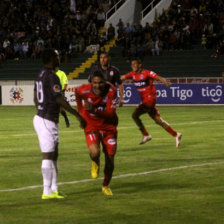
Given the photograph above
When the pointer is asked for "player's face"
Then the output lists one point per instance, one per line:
(104, 60)
(136, 67)
(98, 84)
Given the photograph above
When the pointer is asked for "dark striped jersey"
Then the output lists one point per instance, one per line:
(48, 88)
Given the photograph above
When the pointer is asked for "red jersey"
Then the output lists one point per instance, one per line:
(104, 116)
(143, 81)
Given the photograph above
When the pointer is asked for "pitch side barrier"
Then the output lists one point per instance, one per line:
(180, 94)
(176, 94)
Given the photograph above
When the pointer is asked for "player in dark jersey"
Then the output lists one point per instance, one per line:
(48, 99)
(111, 74)
(97, 104)
(143, 81)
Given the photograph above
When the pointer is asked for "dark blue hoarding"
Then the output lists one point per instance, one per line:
(180, 94)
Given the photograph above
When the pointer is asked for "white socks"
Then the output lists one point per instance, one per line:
(54, 186)
(47, 172)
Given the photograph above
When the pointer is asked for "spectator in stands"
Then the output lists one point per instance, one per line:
(110, 32)
(157, 46)
(100, 17)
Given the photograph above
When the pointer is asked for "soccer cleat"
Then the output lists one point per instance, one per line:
(59, 195)
(94, 170)
(178, 139)
(145, 139)
(51, 196)
(107, 191)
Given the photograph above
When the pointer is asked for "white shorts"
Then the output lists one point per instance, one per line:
(47, 132)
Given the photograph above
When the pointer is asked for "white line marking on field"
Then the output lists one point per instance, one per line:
(119, 128)
(119, 176)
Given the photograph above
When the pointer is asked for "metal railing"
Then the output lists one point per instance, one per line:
(111, 11)
(149, 7)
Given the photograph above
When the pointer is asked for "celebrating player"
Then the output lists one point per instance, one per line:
(111, 74)
(143, 80)
(97, 104)
(48, 99)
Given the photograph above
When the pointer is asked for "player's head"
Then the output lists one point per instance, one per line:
(104, 58)
(136, 64)
(51, 57)
(98, 82)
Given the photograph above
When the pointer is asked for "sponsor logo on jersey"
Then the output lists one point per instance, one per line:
(16, 95)
(56, 88)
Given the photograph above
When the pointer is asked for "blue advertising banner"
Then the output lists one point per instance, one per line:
(180, 94)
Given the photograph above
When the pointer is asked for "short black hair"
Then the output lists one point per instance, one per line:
(98, 74)
(48, 54)
(137, 59)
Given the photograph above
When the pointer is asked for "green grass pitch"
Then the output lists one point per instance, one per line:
(153, 183)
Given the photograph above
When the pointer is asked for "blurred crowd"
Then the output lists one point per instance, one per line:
(29, 26)
(185, 24)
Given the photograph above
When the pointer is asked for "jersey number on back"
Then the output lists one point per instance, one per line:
(40, 93)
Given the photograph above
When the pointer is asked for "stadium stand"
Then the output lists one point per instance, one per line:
(186, 36)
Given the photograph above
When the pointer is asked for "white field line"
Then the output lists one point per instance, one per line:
(119, 128)
(119, 176)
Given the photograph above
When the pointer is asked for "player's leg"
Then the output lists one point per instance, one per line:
(47, 132)
(93, 142)
(158, 120)
(47, 173)
(54, 185)
(141, 109)
(108, 172)
(109, 142)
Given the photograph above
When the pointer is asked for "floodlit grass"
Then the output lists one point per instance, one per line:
(153, 183)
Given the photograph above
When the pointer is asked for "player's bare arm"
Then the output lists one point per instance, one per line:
(62, 102)
(161, 79)
(121, 92)
(35, 98)
(122, 77)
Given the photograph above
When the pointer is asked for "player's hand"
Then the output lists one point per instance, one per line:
(168, 84)
(120, 102)
(89, 107)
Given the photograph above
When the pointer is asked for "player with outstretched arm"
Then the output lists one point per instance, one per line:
(143, 81)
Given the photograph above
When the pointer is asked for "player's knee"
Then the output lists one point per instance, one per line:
(94, 155)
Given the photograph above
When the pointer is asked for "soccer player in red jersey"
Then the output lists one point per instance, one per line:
(96, 102)
(143, 81)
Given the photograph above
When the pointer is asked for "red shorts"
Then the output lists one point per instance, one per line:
(107, 138)
(149, 108)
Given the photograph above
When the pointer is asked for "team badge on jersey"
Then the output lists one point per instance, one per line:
(111, 73)
(56, 88)
(141, 76)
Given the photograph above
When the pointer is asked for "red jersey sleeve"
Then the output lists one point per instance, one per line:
(110, 106)
(128, 75)
(151, 74)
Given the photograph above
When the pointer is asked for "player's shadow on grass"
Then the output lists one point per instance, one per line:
(147, 186)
